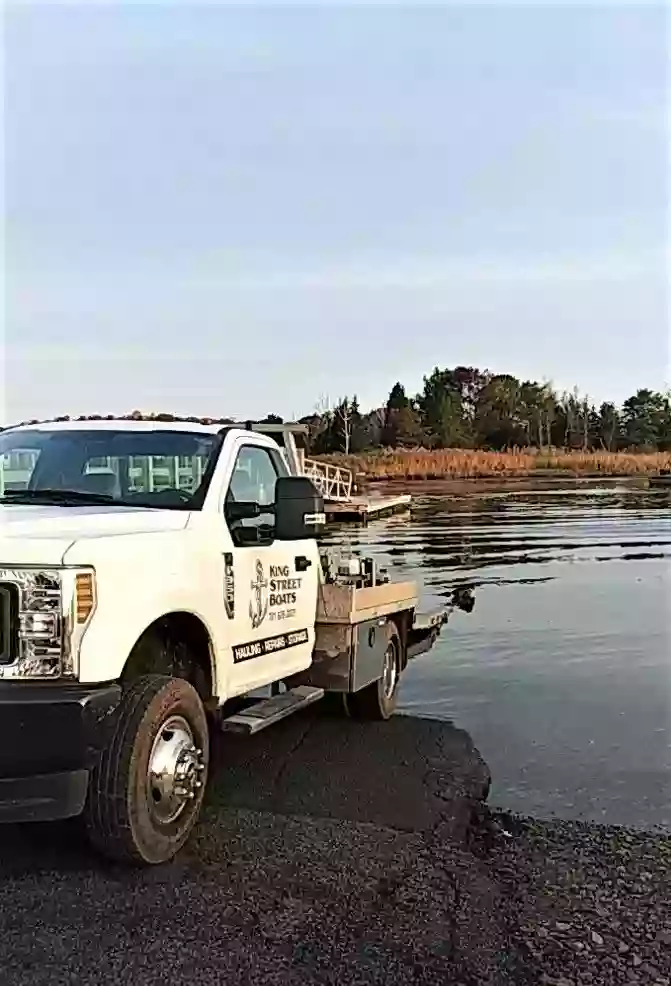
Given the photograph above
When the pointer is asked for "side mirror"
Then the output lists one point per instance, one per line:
(242, 511)
(299, 509)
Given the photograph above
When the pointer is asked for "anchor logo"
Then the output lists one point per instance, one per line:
(258, 605)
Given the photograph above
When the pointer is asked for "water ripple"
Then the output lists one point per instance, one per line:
(562, 673)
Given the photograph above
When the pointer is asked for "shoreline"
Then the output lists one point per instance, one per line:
(330, 853)
(549, 475)
(540, 481)
(531, 480)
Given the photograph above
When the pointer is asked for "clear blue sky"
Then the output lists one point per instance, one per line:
(235, 210)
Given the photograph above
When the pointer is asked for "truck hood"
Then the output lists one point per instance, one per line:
(42, 534)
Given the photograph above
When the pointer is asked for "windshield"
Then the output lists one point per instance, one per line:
(165, 469)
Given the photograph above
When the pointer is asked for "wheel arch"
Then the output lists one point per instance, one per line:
(186, 650)
(402, 622)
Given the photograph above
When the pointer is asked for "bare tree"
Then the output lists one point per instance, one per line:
(549, 405)
(585, 408)
(343, 415)
(323, 405)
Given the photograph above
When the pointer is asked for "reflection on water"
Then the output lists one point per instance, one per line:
(562, 674)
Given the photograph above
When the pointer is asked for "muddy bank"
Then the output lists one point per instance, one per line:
(336, 853)
(540, 480)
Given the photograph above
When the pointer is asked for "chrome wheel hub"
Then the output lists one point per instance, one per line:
(389, 672)
(174, 771)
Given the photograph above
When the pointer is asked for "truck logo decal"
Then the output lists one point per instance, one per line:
(270, 645)
(229, 585)
(258, 604)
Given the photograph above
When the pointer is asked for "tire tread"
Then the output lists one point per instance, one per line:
(107, 810)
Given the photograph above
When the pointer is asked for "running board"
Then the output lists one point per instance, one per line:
(270, 710)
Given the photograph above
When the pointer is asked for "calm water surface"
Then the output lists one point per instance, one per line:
(562, 673)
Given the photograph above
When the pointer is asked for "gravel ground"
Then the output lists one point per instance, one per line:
(332, 853)
(589, 904)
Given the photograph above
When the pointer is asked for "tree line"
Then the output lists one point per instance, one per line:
(469, 408)
(465, 407)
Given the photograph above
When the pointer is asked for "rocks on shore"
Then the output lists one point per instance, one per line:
(592, 904)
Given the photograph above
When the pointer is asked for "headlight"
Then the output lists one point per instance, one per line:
(44, 614)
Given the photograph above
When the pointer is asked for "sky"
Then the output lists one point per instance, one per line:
(237, 210)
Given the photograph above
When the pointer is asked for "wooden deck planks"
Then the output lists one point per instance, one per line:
(365, 508)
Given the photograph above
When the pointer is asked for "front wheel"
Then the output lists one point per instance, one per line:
(146, 793)
(378, 700)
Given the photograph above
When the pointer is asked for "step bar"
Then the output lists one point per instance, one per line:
(267, 712)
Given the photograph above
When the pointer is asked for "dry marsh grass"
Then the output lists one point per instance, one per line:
(422, 464)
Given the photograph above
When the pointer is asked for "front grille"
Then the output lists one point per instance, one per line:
(9, 611)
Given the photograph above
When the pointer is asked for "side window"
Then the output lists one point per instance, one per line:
(253, 482)
(16, 468)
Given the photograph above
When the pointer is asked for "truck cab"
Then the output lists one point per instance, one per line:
(151, 574)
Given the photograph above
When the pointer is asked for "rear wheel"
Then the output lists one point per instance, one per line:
(378, 700)
(147, 791)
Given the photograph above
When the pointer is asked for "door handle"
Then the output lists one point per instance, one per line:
(302, 563)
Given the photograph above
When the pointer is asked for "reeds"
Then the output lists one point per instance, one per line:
(409, 464)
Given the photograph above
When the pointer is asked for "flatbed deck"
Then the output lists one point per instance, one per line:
(345, 604)
(361, 509)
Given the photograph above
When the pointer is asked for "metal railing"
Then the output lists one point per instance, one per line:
(333, 482)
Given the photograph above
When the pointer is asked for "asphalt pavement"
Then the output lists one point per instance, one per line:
(329, 852)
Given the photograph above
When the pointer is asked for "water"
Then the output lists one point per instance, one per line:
(562, 673)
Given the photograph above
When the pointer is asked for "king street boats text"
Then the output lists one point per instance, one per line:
(283, 592)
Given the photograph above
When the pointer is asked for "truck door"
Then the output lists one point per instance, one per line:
(271, 585)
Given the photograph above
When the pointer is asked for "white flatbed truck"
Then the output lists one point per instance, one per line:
(153, 576)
